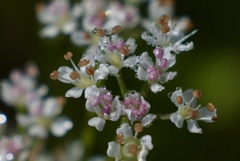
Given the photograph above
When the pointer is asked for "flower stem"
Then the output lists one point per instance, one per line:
(163, 116)
(121, 83)
(145, 89)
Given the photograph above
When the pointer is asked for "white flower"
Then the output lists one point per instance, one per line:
(101, 101)
(58, 16)
(129, 147)
(187, 110)
(84, 75)
(155, 73)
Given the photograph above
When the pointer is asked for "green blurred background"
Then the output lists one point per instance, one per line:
(212, 67)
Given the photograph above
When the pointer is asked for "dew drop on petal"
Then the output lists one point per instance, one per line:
(169, 94)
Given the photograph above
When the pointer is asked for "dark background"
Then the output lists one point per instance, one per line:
(212, 67)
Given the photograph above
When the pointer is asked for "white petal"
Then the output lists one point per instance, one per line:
(126, 130)
(91, 91)
(79, 38)
(115, 115)
(207, 115)
(141, 74)
(97, 122)
(69, 27)
(193, 126)
(146, 142)
(74, 92)
(101, 73)
(131, 45)
(113, 149)
(187, 96)
(49, 31)
(24, 120)
(142, 155)
(148, 119)
(130, 62)
(60, 126)
(64, 74)
(180, 48)
(113, 70)
(89, 107)
(145, 60)
(174, 96)
(177, 119)
(155, 87)
(131, 117)
(167, 76)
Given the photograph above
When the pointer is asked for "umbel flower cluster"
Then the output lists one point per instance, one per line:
(98, 25)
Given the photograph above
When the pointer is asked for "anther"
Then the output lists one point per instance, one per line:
(124, 50)
(68, 55)
(193, 114)
(214, 118)
(197, 94)
(116, 29)
(138, 127)
(61, 100)
(120, 138)
(90, 70)
(100, 32)
(211, 107)
(179, 100)
(83, 62)
(133, 149)
(165, 28)
(74, 75)
(163, 20)
(54, 75)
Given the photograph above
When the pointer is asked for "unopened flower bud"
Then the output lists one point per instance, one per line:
(54, 75)
(68, 55)
(197, 94)
(179, 100)
(124, 50)
(120, 138)
(193, 114)
(116, 29)
(138, 127)
(211, 107)
(74, 75)
(90, 70)
(83, 62)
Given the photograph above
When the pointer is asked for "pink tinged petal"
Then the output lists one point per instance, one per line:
(69, 27)
(163, 63)
(155, 87)
(49, 31)
(110, 46)
(60, 126)
(145, 61)
(130, 62)
(101, 73)
(97, 122)
(148, 119)
(177, 119)
(91, 91)
(142, 155)
(141, 74)
(167, 76)
(113, 149)
(74, 92)
(193, 126)
(146, 142)
(158, 52)
(64, 74)
(126, 130)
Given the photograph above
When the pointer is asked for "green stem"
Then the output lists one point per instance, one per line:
(121, 83)
(145, 89)
(163, 116)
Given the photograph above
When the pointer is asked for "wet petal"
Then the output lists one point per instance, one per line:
(64, 74)
(155, 87)
(126, 130)
(146, 142)
(97, 122)
(177, 119)
(148, 119)
(74, 92)
(167, 76)
(131, 61)
(101, 73)
(193, 126)
(145, 61)
(141, 74)
(113, 149)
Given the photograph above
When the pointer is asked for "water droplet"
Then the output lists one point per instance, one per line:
(179, 88)
(169, 94)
